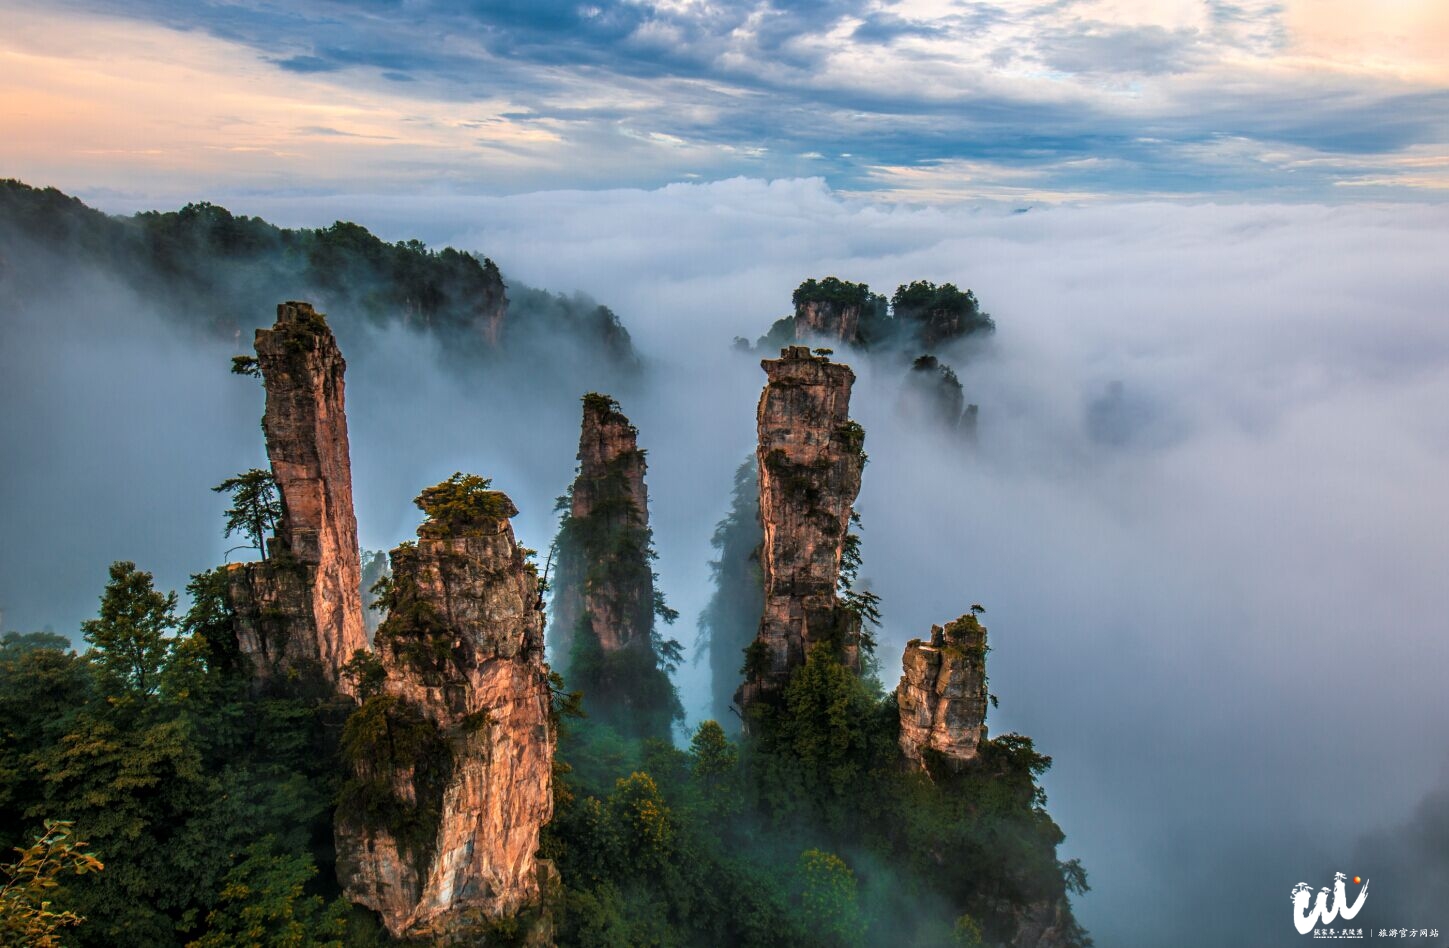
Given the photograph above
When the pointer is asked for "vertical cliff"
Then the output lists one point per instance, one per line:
(303, 607)
(829, 309)
(827, 319)
(810, 457)
(942, 694)
(451, 751)
(605, 603)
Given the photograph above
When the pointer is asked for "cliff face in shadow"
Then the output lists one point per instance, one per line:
(731, 618)
(605, 602)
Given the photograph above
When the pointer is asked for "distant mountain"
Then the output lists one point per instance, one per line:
(224, 273)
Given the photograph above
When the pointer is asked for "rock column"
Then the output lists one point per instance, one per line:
(304, 605)
(810, 459)
(942, 695)
(447, 833)
(607, 583)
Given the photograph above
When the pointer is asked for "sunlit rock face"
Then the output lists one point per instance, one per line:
(447, 835)
(810, 460)
(303, 607)
(614, 591)
(942, 693)
(827, 319)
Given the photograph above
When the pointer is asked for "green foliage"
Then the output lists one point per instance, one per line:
(965, 933)
(28, 913)
(217, 272)
(831, 290)
(937, 314)
(384, 737)
(413, 630)
(600, 404)
(255, 506)
(605, 555)
(263, 903)
(463, 505)
(246, 365)
(366, 673)
(828, 898)
(131, 639)
(167, 789)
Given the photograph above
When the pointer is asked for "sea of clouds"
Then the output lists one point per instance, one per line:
(1206, 511)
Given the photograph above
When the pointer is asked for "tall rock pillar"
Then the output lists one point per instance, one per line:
(810, 459)
(451, 752)
(609, 589)
(605, 603)
(304, 605)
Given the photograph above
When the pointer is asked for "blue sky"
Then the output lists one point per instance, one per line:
(925, 100)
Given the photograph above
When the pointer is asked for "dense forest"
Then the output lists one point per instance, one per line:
(212, 271)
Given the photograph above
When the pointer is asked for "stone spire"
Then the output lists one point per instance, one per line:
(610, 588)
(304, 605)
(452, 750)
(605, 604)
(942, 695)
(810, 460)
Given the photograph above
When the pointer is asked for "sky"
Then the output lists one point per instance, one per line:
(922, 100)
(1206, 512)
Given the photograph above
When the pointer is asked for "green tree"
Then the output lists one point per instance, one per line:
(462, 505)
(132, 638)
(28, 913)
(715, 768)
(828, 898)
(142, 796)
(255, 507)
(264, 904)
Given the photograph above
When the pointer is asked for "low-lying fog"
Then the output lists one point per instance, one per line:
(1206, 513)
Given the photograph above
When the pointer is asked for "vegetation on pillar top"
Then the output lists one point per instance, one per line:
(923, 294)
(602, 404)
(831, 290)
(464, 505)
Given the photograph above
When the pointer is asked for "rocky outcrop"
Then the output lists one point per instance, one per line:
(271, 605)
(605, 604)
(942, 695)
(827, 319)
(451, 751)
(810, 458)
(303, 606)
